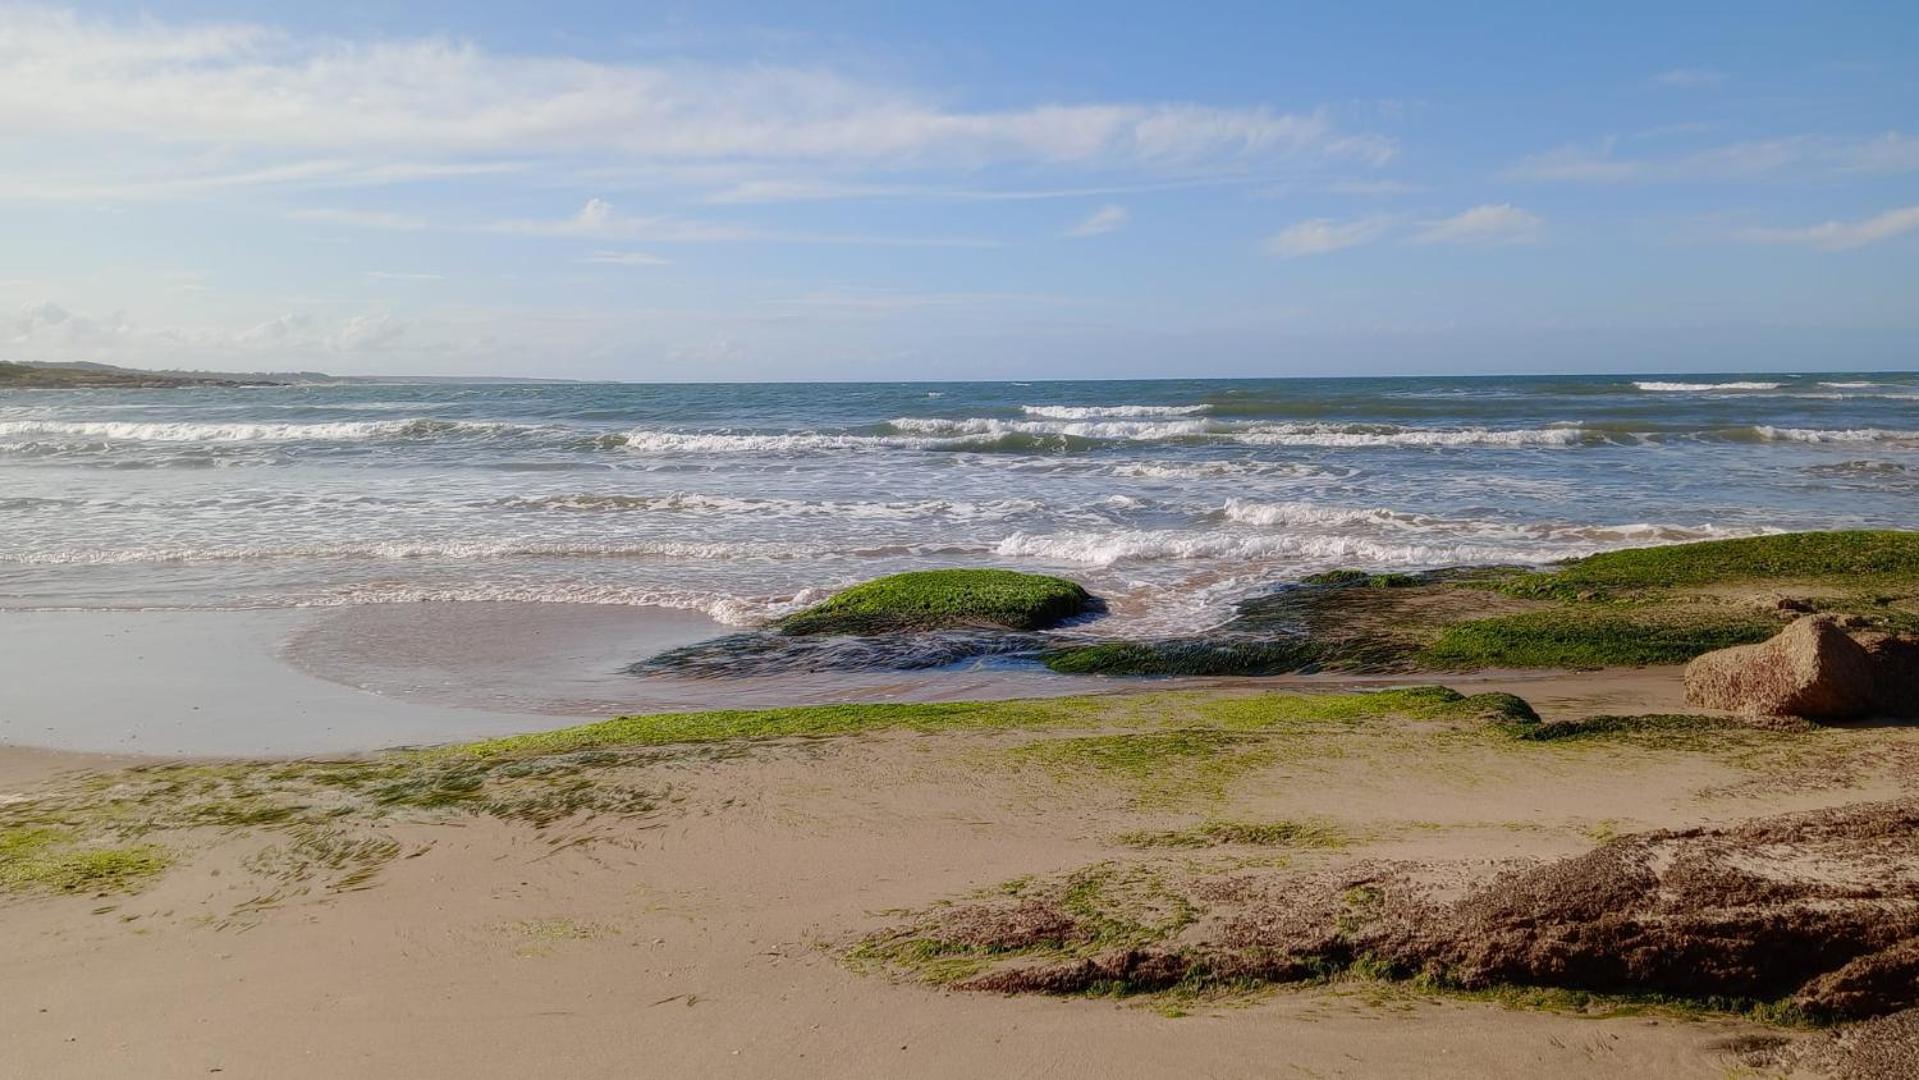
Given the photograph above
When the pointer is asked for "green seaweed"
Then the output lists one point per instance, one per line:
(943, 599)
(52, 860)
(1574, 637)
(1158, 767)
(1185, 656)
(1350, 578)
(1843, 555)
(1284, 834)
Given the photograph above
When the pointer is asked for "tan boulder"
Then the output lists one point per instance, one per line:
(1812, 669)
(1895, 674)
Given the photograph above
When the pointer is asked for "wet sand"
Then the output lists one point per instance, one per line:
(348, 680)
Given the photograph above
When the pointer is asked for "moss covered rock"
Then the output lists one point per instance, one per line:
(944, 600)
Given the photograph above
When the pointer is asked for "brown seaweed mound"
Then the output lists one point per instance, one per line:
(1822, 907)
(1819, 908)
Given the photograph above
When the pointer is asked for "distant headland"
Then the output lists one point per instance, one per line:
(87, 375)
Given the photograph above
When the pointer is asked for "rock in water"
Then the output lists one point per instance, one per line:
(1812, 669)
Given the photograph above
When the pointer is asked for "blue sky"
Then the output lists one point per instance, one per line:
(878, 191)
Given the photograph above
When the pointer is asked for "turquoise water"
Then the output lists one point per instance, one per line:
(1173, 498)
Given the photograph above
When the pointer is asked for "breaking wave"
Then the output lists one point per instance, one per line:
(732, 506)
(1096, 412)
(1685, 387)
(1769, 433)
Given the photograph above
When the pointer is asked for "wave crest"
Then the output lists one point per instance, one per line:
(1689, 387)
(1098, 412)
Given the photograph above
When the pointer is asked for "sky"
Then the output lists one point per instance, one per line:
(849, 190)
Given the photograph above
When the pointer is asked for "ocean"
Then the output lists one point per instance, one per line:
(1173, 499)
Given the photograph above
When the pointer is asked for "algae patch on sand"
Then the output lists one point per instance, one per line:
(51, 860)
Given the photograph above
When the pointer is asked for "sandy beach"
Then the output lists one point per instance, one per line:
(709, 934)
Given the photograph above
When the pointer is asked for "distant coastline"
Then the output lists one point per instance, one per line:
(86, 375)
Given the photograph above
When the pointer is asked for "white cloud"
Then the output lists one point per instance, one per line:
(47, 328)
(1597, 163)
(1690, 78)
(52, 331)
(1842, 235)
(402, 275)
(1382, 188)
(453, 107)
(1501, 223)
(599, 218)
(1319, 236)
(365, 219)
(787, 190)
(1102, 221)
(625, 258)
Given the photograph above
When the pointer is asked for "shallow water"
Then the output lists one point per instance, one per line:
(1172, 498)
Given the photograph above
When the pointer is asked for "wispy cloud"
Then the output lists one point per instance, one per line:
(1322, 236)
(362, 219)
(790, 190)
(625, 258)
(1689, 78)
(1842, 235)
(1599, 163)
(600, 219)
(403, 109)
(1102, 221)
(880, 301)
(1486, 225)
(1382, 188)
(1501, 223)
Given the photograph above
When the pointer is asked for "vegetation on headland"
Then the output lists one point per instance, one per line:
(942, 600)
(85, 375)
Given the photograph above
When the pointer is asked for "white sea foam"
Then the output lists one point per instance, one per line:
(417, 549)
(740, 506)
(1248, 512)
(697, 442)
(1145, 545)
(1210, 470)
(1686, 387)
(1096, 412)
(725, 608)
(1822, 435)
(1369, 435)
(1851, 385)
(1083, 429)
(1455, 543)
(1298, 514)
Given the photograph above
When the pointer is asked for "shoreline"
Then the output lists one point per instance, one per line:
(246, 684)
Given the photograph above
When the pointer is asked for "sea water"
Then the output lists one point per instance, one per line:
(1172, 499)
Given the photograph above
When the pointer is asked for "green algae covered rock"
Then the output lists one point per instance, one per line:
(944, 600)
